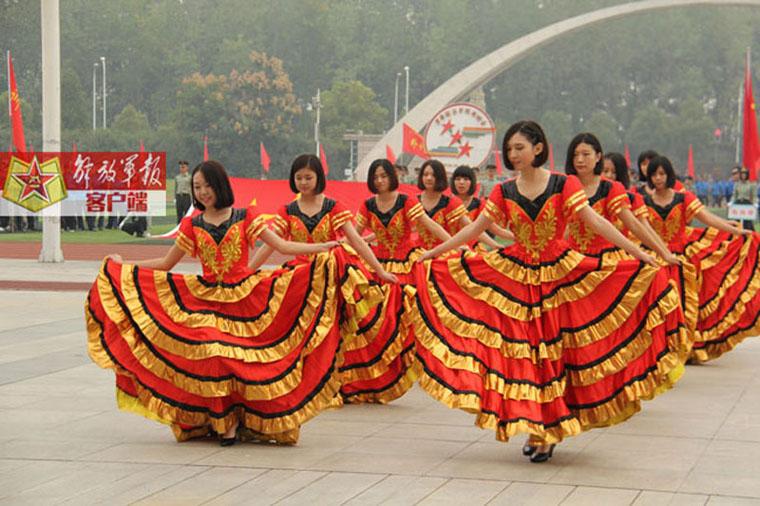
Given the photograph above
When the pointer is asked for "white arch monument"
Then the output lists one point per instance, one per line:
(491, 65)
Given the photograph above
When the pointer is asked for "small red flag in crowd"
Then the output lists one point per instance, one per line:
(414, 143)
(323, 159)
(690, 162)
(389, 154)
(205, 148)
(265, 160)
(14, 110)
(499, 162)
(750, 140)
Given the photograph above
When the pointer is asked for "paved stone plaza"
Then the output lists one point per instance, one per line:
(64, 441)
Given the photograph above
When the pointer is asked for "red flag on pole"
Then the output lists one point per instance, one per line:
(14, 109)
(74, 148)
(627, 155)
(690, 163)
(389, 154)
(414, 143)
(142, 146)
(323, 159)
(499, 162)
(750, 140)
(265, 160)
(551, 157)
(205, 148)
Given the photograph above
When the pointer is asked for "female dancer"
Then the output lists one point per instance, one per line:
(527, 337)
(230, 347)
(379, 358)
(729, 293)
(447, 211)
(463, 186)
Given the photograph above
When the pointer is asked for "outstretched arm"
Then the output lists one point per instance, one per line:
(293, 248)
(433, 227)
(355, 240)
(260, 256)
(609, 232)
(467, 234)
(711, 220)
(165, 263)
(484, 238)
(647, 236)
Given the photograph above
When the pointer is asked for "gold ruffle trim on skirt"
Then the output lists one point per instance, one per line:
(471, 404)
(198, 351)
(393, 391)
(158, 409)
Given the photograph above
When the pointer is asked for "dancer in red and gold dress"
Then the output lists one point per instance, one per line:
(530, 338)
(463, 185)
(445, 210)
(684, 274)
(230, 347)
(610, 200)
(379, 358)
(729, 291)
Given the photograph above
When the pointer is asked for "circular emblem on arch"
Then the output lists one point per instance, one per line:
(460, 134)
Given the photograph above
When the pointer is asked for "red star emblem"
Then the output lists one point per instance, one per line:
(465, 149)
(448, 127)
(34, 181)
(457, 137)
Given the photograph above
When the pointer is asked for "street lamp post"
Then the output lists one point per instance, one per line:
(103, 62)
(317, 103)
(395, 100)
(94, 96)
(406, 98)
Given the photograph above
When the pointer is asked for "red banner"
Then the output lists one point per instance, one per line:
(268, 196)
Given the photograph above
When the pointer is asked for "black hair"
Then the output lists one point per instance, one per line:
(657, 162)
(439, 171)
(490, 166)
(621, 168)
(742, 172)
(216, 177)
(308, 162)
(645, 155)
(464, 171)
(531, 131)
(584, 138)
(390, 171)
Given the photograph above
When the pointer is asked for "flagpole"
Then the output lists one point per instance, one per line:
(51, 120)
(739, 121)
(8, 65)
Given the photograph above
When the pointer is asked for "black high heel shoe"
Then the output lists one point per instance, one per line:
(227, 441)
(539, 457)
(528, 449)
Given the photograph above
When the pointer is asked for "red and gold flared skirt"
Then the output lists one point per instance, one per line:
(550, 346)
(378, 364)
(199, 356)
(729, 291)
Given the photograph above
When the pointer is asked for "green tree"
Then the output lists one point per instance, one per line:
(348, 105)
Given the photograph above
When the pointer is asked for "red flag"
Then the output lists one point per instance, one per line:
(389, 154)
(14, 110)
(414, 143)
(265, 160)
(74, 148)
(499, 162)
(627, 155)
(750, 140)
(551, 157)
(205, 148)
(323, 159)
(690, 162)
(142, 146)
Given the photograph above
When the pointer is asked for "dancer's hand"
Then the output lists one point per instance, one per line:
(328, 245)
(671, 259)
(646, 258)
(387, 277)
(115, 257)
(426, 255)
